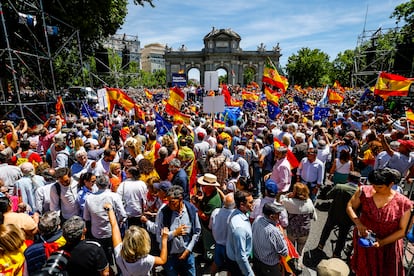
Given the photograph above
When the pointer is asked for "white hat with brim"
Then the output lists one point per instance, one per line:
(208, 179)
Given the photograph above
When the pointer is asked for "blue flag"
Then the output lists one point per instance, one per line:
(249, 105)
(157, 97)
(304, 107)
(87, 111)
(272, 109)
(365, 95)
(162, 125)
(231, 113)
(320, 113)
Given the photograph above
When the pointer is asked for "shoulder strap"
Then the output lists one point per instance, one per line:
(58, 191)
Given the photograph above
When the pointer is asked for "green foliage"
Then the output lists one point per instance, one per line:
(342, 67)
(309, 67)
(223, 79)
(249, 75)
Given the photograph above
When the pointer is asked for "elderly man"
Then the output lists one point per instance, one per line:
(87, 257)
(401, 160)
(50, 239)
(269, 243)
(96, 220)
(239, 236)
(217, 165)
(211, 200)
(311, 172)
(281, 173)
(218, 224)
(179, 177)
(181, 217)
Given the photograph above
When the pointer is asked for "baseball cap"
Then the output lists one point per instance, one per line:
(163, 185)
(234, 166)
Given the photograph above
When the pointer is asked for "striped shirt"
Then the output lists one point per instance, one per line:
(268, 242)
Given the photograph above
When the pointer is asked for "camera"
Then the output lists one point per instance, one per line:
(55, 264)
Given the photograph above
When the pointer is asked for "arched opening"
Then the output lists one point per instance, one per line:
(222, 75)
(194, 76)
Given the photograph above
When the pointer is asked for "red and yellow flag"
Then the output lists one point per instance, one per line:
(250, 96)
(219, 124)
(139, 113)
(272, 77)
(175, 101)
(392, 85)
(181, 118)
(409, 114)
(338, 86)
(271, 95)
(335, 97)
(294, 163)
(59, 105)
(148, 94)
(119, 97)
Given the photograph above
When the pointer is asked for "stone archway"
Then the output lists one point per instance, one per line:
(221, 50)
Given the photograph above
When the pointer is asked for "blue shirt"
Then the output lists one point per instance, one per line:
(239, 243)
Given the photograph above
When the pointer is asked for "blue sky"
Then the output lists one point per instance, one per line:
(329, 25)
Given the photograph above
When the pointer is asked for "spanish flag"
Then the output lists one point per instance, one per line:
(335, 97)
(148, 94)
(139, 113)
(409, 115)
(175, 101)
(235, 102)
(338, 86)
(219, 124)
(271, 95)
(392, 85)
(117, 96)
(59, 105)
(181, 118)
(272, 77)
(250, 96)
(294, 163)
(285, 82)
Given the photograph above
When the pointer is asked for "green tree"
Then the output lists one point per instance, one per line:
(249, 75)
(405, 12)
(342, 67)
(309, 67)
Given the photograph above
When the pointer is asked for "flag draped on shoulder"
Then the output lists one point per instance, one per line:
(272, 77)
(294, 163)
(118, 97)
(175, 101)
(392, 85)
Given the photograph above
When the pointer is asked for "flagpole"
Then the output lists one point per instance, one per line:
(87, 111)
(408, 127)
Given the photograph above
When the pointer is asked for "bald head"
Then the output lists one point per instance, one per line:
(229, 201)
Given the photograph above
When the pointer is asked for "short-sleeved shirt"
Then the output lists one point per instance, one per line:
(87, 258)
(141, 267)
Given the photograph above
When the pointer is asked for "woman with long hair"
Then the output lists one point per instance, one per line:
(12, 247)
(132, 253)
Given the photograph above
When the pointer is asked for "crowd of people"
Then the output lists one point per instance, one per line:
(110, 195)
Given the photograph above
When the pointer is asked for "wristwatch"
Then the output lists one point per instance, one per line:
(108, 209)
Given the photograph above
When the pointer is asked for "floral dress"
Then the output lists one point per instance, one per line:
(385, 260)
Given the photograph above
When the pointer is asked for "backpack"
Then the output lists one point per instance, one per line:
(21, 159)
(71, 158)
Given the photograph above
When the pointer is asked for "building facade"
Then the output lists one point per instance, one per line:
(152, 57)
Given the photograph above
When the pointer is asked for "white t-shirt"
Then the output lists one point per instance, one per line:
(141, 267)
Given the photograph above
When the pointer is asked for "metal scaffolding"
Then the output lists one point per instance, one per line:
(22, 63)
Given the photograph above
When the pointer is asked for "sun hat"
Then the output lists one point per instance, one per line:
(208, 179)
